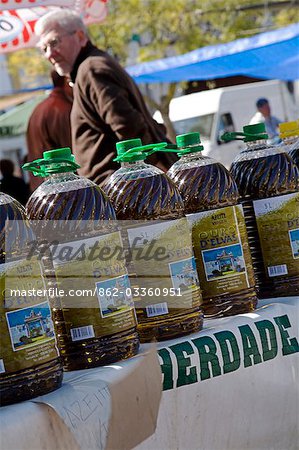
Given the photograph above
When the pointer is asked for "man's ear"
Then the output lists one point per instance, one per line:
(82, 37)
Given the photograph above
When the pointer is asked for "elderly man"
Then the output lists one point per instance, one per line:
(108, 106)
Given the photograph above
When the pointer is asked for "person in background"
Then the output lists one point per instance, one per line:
(49, 126)
(108, 106)
(12, 185)
(263, 115)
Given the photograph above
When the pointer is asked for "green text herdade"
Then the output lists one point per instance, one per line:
(206, 357)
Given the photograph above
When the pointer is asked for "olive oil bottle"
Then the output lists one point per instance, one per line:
(29, 361)
(94, 312)
(167, 293)
(219, 234)
(289, 133)
(268, 182)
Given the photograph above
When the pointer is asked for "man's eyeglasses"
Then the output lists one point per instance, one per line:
(54, 43)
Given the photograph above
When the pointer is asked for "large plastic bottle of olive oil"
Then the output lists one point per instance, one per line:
(94, 317)
(219, 234)
(167, 293)
(268, 182)
(29, 361)
(289, 133)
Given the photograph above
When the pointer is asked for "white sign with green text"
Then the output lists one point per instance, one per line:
(234, 385)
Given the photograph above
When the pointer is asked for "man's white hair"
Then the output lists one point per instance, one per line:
(63, 18)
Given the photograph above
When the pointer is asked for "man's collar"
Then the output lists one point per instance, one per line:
(84, 53)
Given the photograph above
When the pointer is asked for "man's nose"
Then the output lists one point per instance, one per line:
(50, 52)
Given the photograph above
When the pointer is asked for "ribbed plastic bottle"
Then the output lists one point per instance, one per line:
(29, 361)
(268, 182)
(167, 294)
(289, 133)
(94, 318)
(219, 234)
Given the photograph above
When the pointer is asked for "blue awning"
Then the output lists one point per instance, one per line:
(270, 55)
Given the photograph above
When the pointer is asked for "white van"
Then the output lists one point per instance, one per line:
(227, 109)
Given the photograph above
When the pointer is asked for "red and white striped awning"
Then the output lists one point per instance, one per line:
(18, 17)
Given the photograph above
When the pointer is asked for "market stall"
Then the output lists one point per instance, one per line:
(230, 386)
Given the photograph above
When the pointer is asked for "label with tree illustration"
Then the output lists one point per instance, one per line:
(278, 228)
(164, 263)
(94, 287)
(221, 250)
(26, 327)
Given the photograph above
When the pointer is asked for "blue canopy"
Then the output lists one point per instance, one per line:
(270, 55)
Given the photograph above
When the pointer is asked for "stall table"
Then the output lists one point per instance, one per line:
(232, 386)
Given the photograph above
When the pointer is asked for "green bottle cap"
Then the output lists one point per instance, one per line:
(59, 153)
(54, 161)
(256, 128)
(255, 132)
(123, 146)
(133, 150)
(183, 140)
(189, 143)
(251, 133)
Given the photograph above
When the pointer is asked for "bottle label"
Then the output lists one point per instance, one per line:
(26, 327)
(221, 251)
(162, 257)
(94, 287)
(278, 228)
